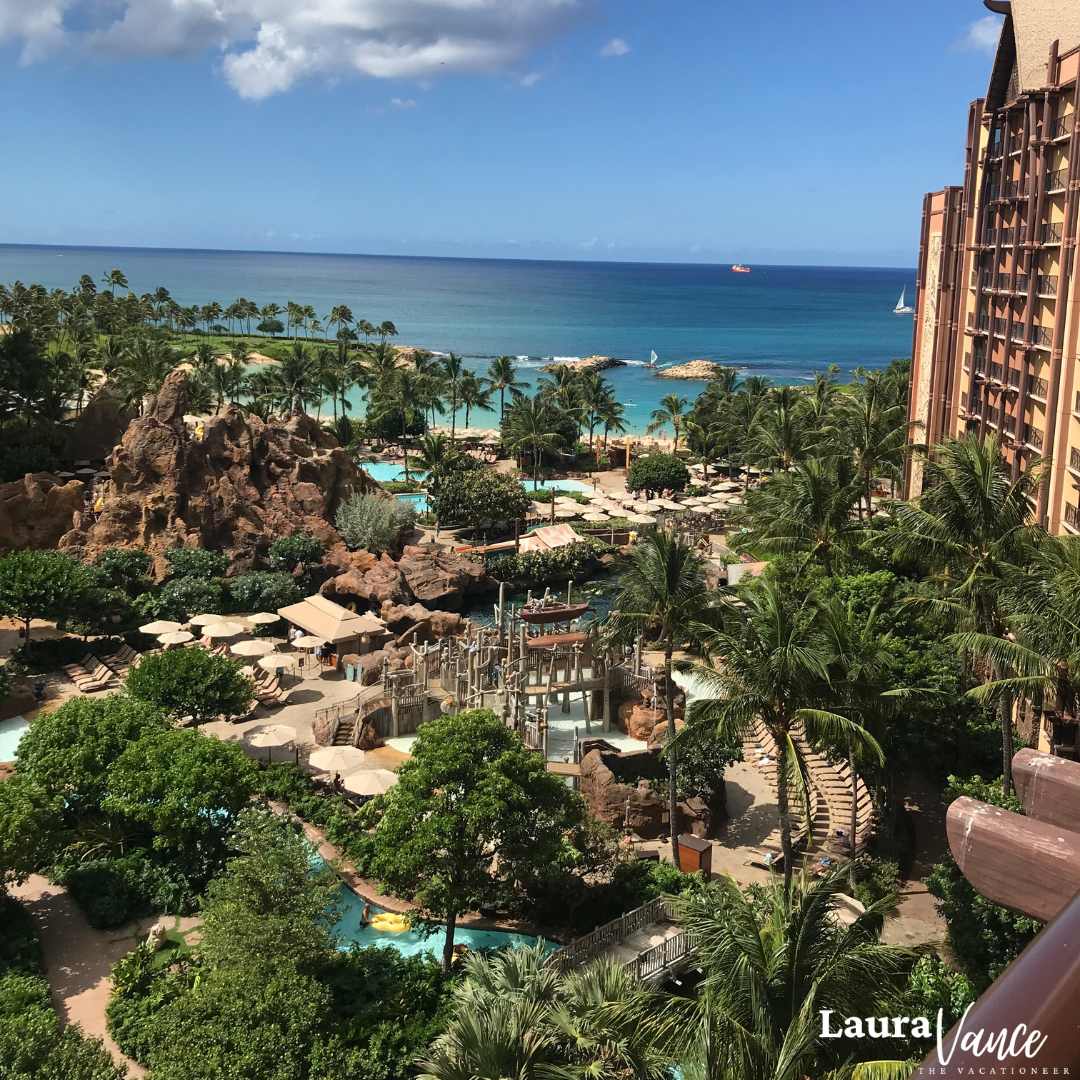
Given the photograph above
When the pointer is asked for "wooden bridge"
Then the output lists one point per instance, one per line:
(648, 941)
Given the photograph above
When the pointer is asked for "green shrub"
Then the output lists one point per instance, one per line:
(17, 461)
(570, 563)
(20, 948)
(876, 879)
(262, 591)
(191, 682)
(374, 523)
(111, 891)
(196, 563)
(479, 498)
(290, 552)
(400, 487)
(124, 564)
(657, 472)
(182, 597)
(546, 495)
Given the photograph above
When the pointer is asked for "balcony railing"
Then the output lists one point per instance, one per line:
(980, 363)
(1076, 403)
(999, 330)
(985, 279)
(963, 401)
(980, 323)
(997, 145)
(995, 372)
(1074, 458)
(1072, 515)
(1016, 142)
(1055, 181)
(1010, 425)
(1010, 189)
(1059, 128)
(991, 237)
(1022, 284)
(1041, 335)
(1032, 436)
(1046, 284)
(1037, 387)
(1017, 333)
(1014, 378)
(1050, 233)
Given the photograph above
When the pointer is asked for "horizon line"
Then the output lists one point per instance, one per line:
(440, 258)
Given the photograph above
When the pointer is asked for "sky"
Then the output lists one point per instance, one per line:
(659, 130)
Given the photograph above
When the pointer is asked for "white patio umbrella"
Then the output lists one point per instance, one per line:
(289, 662)
(309, 641)
(669, 504)
(641, 519)
(595, 517)
(336, 758)
(251, 648)
(263, 618)
(735, 500)
(369, 781)
(162, 626)
(202, 620)
(176, 637)
(656, 504)
(566, 515)
(224, 629)
(271, 735)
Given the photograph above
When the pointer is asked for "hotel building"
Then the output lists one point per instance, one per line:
(997, 320)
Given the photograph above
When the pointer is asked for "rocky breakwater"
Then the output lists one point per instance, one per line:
(436, 579)
(589, 363)
(36, 511)
(247, 483)
(696, 370)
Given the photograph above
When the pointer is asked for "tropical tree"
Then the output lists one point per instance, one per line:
(672, 411)
(473, 394)
(662, 594)
(113, 280)
(774, 671)
(973, 526)
(502, 376)
(707, 444)
(290, 382)
(440, 459)
(781, 431)
(141, 371)
(771, 964)
(874, 429)
(340, 316)
(397, 398)
(453, 369)
(596, 393)
(611, 416)
(514, 1014)
(527, 428)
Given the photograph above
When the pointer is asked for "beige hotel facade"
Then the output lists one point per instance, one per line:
(997, 315)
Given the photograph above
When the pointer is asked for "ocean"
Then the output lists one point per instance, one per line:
(785, 322)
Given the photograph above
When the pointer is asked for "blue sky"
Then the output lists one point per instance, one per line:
(669, 130)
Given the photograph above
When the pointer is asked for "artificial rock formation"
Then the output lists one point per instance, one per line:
(637, 805)
(36, 511)
(696, 370)
(246, 484)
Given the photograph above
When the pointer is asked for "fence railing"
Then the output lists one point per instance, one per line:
(618, 930)
(1055, 181)
(1059, 127)
(668, 954)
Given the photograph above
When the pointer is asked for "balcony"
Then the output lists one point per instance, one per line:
(1010, 425)
(1072, 515)
(1036, 387)
(995, 372)
(1032, 436)
(1014, 378)
(1061, 127)
(1046, 284)
(1017, 332)
(1042, 336)
(1050, 233)
(999, 331)
(1076, 405)
(1055, 181)
(985, 279)
(1021, 284)
(991, 237)
(997, 145)
(1074, 459)
(963, 401)
(1016, 142)
(980, 324)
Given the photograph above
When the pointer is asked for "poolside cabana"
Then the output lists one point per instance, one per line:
(346, 631)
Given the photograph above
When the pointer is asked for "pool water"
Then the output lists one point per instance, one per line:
(563, 485)
(383, 470)
(418, 500)
(11, 731)
(409, 942)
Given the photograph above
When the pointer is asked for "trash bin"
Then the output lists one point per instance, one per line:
(695, 854)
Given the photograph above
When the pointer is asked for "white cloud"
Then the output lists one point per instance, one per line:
(982, 36)
(399, 103)
(269, 45)
(531, 79)
(587, 245)
(615, 47)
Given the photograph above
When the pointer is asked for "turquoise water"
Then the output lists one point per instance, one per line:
(781, 321)
(410, 943)
(383, 471)
(11, 731)
(418, 499)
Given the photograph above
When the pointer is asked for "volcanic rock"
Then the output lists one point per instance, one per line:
(401, 617)
(98, 428)
(638, 720)
(36, 511)
(658, 736)
(247, 483)
(589, 363)
(695, 371)
(369, 738)
(608, 799)
(441, 580)
(436, 626)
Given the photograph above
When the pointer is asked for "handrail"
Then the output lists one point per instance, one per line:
(618, 930)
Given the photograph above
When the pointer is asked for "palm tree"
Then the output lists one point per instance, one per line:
(514, 1014)
(289, 382)
(141, 371)
(452, 370)
(874, 430)
(707, 444)
(269, 311)
(808, 510)
(502, 376)
(671, 412)
(781, 432)
(662, 593)
(973, 526)
(205, 354)
(596, 391)
(473, 394)
(113, 280)
(770, 964)
(527, 428)
(397, 396)
(340, 316)
(439, 458)
(366, 328)
(742, 419)
(386, 329)
(227, 380)
(774, 662)
(611, 416)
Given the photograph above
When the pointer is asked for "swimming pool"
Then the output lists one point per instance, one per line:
(410, 943)
(383, 470)
(562, 485)
(418, 500)
(11, 731)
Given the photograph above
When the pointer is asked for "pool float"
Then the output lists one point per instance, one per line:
(388, 921)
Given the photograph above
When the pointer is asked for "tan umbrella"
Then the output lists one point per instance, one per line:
(162, 626)
(309, 641)
(202, 620)
(176, 637)
(595, 517)
(369, 781)
(289, 662)
(641, 519)
(669, 504)
(263, 618)
(224, 629)
(566, 515)
(336, 758)
(271, 735)
(251, 648)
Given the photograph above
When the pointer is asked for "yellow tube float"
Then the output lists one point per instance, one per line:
(390, 922)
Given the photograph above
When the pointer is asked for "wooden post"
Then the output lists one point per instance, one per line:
(607, 696)
(637, 654)
(394, 711)
(502, 601)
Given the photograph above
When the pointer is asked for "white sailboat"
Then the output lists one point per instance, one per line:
(901, 308)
